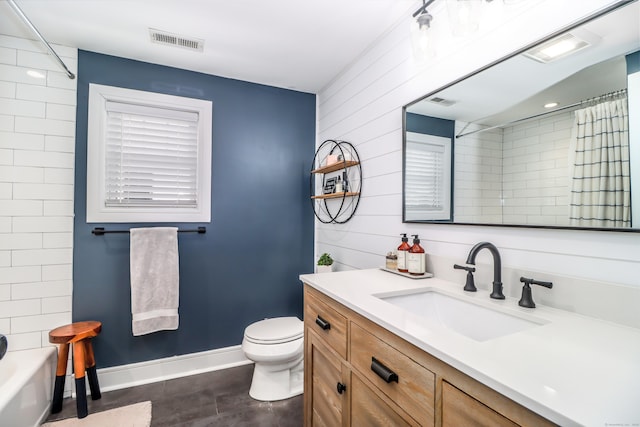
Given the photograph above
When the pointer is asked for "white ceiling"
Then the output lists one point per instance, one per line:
(294, 44)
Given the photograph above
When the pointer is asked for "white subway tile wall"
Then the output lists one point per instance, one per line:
(37, 142)
(519, 176)
(536, 181)
(478, 175)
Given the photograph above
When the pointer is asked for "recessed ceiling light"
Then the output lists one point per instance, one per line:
(35, 74)
(551, 105)
(557, 48)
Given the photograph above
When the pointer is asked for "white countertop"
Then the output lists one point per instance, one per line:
(573, 370)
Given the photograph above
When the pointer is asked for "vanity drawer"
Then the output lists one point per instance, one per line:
(328, 323)
(460, 409)
(405, 382)
(368, 410)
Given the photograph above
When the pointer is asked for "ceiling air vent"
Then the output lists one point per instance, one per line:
(170, 39)
(442, 101)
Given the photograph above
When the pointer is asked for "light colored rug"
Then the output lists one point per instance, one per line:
(138, 415)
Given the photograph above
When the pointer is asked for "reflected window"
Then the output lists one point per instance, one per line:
(427, 191)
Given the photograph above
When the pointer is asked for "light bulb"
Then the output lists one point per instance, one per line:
(422, 37)
(464, 16)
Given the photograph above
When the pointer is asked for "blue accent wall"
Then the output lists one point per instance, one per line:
(430, 125)
(633, 62)
(260, 237)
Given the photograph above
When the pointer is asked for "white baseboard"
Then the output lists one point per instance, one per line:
(134, 374)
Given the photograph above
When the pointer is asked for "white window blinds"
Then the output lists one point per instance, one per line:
(427, 177)
(151, 156)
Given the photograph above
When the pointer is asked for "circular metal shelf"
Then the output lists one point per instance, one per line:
(335, 159)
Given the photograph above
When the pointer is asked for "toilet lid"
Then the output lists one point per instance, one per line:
(276, 330)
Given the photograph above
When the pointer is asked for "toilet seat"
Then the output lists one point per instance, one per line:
(277, 330)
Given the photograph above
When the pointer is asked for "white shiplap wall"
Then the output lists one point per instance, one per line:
(364, 106)
(37, 143)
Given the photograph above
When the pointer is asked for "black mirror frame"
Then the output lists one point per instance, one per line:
(570, 27)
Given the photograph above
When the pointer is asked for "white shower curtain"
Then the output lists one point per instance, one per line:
(599, 159)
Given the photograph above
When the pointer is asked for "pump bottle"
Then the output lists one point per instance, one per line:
(403, 249)
(416, 260)
(339, 188)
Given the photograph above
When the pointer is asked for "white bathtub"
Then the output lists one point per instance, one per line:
(26, 386)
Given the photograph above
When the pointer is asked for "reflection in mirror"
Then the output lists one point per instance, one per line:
(552, 142)
(428, 168)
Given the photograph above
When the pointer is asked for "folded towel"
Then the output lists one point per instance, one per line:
(154, 279)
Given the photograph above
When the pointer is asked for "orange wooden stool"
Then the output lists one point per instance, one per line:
(79, 334)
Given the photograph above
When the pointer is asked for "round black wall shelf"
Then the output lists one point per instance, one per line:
(335, 182)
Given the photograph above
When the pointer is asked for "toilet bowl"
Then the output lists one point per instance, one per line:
(276, 347)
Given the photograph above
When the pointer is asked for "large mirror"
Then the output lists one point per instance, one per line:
(536, 140)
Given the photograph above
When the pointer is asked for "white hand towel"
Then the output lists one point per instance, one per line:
(154, 279)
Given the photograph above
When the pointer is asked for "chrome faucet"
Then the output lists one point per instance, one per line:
(497, 266)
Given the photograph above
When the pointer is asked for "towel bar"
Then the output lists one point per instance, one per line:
(100, 231)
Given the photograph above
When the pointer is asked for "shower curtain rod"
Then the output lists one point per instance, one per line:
(608, 96)
(21, 14)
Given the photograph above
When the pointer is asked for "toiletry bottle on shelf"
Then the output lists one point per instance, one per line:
(403, 250)
(339, 186)
(416, 262)
(345, 182)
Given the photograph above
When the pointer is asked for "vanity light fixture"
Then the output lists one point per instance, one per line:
(464, 16)
(421, 36)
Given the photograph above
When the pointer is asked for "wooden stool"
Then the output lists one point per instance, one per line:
(79, 334)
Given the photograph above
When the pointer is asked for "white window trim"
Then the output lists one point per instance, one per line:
(96, 209)
(437, 214)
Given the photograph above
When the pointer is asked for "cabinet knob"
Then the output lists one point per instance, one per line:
(322, 323)
(341, 388)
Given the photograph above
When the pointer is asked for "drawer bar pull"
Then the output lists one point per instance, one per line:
(341, 388)
(382, 371)
(323, 323)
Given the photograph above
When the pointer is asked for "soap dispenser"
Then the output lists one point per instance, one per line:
(403, 249)
(416, 259)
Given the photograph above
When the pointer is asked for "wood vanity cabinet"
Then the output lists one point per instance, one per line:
(357, 373)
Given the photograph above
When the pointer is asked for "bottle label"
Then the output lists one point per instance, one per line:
(416, 263)
(402, 260)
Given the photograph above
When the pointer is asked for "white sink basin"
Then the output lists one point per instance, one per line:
(466, 318)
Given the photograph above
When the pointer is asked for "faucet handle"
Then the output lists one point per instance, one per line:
(469, 285)
(527, 299)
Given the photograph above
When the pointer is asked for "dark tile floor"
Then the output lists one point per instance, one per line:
(219, 398)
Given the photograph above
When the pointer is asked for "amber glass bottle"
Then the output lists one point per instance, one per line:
(403, 249)
(416, 259)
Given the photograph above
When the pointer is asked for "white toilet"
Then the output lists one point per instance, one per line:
(276, 347)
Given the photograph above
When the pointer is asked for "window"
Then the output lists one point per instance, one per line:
(148, 157)
(427, 188)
